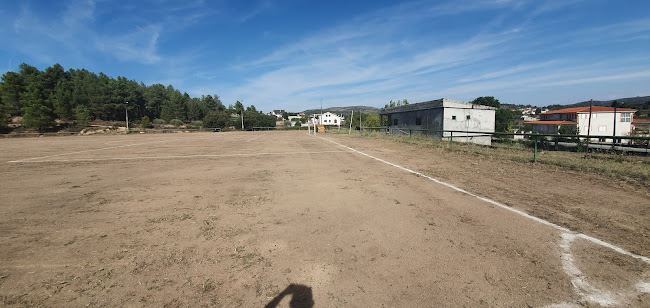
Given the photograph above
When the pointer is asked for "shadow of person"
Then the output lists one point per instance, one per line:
(301, 297)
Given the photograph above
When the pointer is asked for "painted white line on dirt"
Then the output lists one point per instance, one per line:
(254, 138)
(84, 151)
(581, 286)
(169, 157)
(503, 206)
(643, 287)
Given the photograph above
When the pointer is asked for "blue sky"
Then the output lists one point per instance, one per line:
(290, 54)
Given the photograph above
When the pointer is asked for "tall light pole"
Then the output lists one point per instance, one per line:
(126, 111)
(242, 114)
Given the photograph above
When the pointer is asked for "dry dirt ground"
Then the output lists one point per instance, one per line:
(285, 219)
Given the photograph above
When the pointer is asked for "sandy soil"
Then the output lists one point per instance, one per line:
(259, 219)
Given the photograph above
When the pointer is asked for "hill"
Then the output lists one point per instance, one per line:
(344, 110)
(637, 102)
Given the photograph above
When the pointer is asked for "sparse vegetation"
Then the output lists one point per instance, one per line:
(176, 122)
(622, 166)
(145, 123)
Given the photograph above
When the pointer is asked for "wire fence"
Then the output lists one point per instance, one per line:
(131, 131)
(536, 141)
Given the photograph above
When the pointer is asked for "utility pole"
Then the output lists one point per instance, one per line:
(591, 105)
(242, 114)
(614, 134)
(351, 117)
(126, 111)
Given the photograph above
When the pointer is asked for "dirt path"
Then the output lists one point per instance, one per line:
(235, 219)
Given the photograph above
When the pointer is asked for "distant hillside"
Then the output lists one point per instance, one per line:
(630, 102)
(344, 110)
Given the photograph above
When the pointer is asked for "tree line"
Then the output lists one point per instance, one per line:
(79, 95)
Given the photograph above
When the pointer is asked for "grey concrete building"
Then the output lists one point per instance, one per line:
(441, 117)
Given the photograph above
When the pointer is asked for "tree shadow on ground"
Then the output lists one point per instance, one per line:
(301, 297)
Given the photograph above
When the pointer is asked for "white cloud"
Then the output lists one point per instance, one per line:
(139, 45)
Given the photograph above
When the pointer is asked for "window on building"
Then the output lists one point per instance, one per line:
(626, 117)
(418, 121)
(468, 117)
(334, 121)
(394, 121)
(602, 128)
(453, 117)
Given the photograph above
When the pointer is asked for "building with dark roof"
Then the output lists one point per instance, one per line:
(443, 117)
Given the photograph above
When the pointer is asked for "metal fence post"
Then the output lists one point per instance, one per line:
(451, 140)
(535, 152)
(410, 134)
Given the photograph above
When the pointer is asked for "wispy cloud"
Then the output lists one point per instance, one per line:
(139, 45)
(383, 55)
(263, 6)
(509, 71)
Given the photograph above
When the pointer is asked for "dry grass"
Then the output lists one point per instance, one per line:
(631, 168)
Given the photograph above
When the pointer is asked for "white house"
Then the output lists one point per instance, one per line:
(327, 118)
(443, 117)
(605, 121)
(277, 113)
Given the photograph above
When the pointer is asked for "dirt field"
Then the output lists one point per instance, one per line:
(284, 219)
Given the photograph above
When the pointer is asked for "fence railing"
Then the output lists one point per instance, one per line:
(586, 143)
(131, 131)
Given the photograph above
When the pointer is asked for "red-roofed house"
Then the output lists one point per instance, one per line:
(603, 121)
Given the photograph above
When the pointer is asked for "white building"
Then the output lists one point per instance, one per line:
(327, 118)
(277, 113)
(443, 117)
(605, 121)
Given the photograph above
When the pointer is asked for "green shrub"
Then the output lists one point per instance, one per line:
(176, 122)
(197, 123)
(82, 114)
(159, 121)
(145, 123)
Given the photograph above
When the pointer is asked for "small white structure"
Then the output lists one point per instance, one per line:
(327, 118)
(443, 117)
(277, 113)
(605, 121)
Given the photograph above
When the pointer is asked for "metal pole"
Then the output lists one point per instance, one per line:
(451, 140)
(614, 134)
(535, 152)
(126, 111)
(351, 117)
(591, 104)
(410, 134)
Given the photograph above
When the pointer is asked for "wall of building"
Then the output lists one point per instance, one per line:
(430, 119)
(456, 119)
(602, 124)
(469, 120)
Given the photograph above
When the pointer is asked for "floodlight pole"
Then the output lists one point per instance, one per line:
(126, 112)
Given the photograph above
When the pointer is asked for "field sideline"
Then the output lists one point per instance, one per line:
(254, 218)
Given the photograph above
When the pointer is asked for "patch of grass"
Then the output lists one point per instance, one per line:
(631, 168)
(89, 195)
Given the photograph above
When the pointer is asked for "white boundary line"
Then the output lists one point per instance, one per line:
(254, 138)
(169, 157)
(84, 151)
(503, 206)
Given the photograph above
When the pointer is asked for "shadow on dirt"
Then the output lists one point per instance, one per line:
(301, 297)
